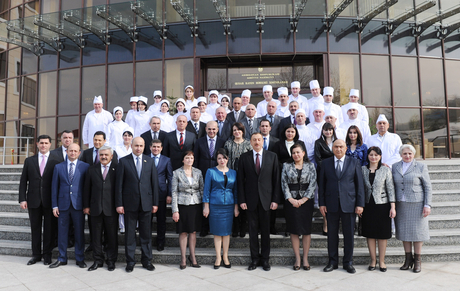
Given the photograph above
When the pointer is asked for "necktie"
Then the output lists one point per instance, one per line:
(211, 147)
(156, 161)
(155, 136)
(71, 173)
(338, 169)
(181, 141)
(295, 121)
(138, 167)
(105, 172)
(265, 144)
(271, 119)
(196, 127)
(97, 157)
(251, 129)
(65, 155)
(257, 164)
(237, 115)
(42, 165)
(220, 126)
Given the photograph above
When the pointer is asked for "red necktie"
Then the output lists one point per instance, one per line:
(257, 164)
(181, 141)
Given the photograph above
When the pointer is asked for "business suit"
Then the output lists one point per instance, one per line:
(341, 195)
(258, 191)
(87, 156)
(58, 154)
(203, 159)
(283, 153)
(137, 195)
(226, 131)
(99, 197)
(35, 189)
(285, 122)
(67, 196)
(231, 116)
(201, 130)
(271, 143)
(255, 127)
(147, 136)
(274, 125)
(172, 149)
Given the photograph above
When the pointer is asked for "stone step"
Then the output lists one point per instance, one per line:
(11, 168)
(241, 256)
(9, 185)
(445, 184)
(444, 174)
(445, 207)
(9, 195)
(448, 165)
(446, 195)
(10, 176)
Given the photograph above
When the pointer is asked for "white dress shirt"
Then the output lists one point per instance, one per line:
(254, 154)
(108, 167)
(178, 136)
(40, 157)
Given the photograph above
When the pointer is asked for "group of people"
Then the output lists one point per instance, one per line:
(225, 170)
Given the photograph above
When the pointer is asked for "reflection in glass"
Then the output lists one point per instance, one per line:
(121, 48)
(351, 9)
(29, 62)
(149, 77)
(216, 79)
(453, 83)
(212, 40)
(277, 36)
(47, 94)
(150, 45)
(70, 123)
(243, 38)
(343, 37)
(49, 6)
(181, 43)
(374, 115)
(69, 92)
(119, 85)
(48, 126)
(405, 81)
(2, 102)
(376, 80)
(178, 74)
(432, 84)
(344, 72)
(303, 73)
(27, 144)
(92, 84)
(12, 101)
(28, 96)
(407, 122)
(315, 7)
(428, 45)
(94, 51)
(48, 60)
(14, 62)
(373, 39)
(310, 36)
(454, 126)
(435, 129)
(69, 57)
(401, 7)
(401, 39)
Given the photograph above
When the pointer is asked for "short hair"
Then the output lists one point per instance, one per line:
(67, 131)
(195, 107)
(378, 151)
(100, 132)
(359, 139)
(407, 146)
(240, 126)
(44, 136)
(186, 153)
(328, 126)
(156, 141)
(104, 147)
(293, 102)
(222, 152)
(301, 146)
(265, 119)
(128, 132)
(283, 134)
(254, 133)
(156, 118)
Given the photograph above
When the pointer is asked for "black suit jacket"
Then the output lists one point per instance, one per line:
(255, 126)
(203, 159)
(57, 152)
(147, 136)
(226, 131)
(165, 172)
(283, 153)
(99, 194)
(132, 191)
(271, 143)
(285, 122)
(201, 131)
(231, 116)
(172, 150)
(34, 188)
(264, 187)
(275, 125)
(87, 157)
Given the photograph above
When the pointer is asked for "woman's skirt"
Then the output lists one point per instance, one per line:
(298, 220)
(189, 218)
(376, 221)
(410, 224)
(221, 219)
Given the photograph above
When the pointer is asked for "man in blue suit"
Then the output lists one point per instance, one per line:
(341, 197)
(67, 202)
(165, 172)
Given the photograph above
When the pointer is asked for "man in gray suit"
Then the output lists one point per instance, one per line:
(251, 124)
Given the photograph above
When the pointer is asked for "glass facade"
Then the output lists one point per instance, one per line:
(411, 78)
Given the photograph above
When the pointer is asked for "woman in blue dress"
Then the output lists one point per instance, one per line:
(220, 204)
(355, 145)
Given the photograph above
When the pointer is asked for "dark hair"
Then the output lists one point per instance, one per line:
(255, 134)
(223, 152)
(229, 107)
(99, 132)
(186, 153)
(128, 132)
(240, 126)
(195, 107)
(328, 126)
(185, 108)
(378, 151)
(264, 119)
(67, 131)
(359, 140)
(143, 103)
(44, 136)
(156, 141)
(301, 146)
(283, 134)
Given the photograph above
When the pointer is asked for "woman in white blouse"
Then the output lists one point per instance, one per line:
(116, 128)
(167, 121)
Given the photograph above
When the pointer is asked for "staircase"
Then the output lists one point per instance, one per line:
(444, 244)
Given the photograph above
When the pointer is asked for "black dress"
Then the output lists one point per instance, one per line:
(299, 220)
(376, 221)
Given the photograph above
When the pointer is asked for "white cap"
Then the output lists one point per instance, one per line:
(164, 101)
(201, 99)
(116, 109)
(300, 111)
(189, 86)
(214, 92)
(143, 99)
(97, 100)
(314, 84)
(354, 92)
(246, 92)
(267, 88)
(133, 99)
(157, 93)
(282, 91)
(328, 91)
(222, 97)
(382, 117)
(130, 129)
(353, 106)
(295, 84)
(330, 113)
(318, 106)
(179, 100)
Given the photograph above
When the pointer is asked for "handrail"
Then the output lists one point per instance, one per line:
(13, 147)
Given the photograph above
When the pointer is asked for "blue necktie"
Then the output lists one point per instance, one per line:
(265, 144)
(156, 161)
(71, 173)
(211, 147)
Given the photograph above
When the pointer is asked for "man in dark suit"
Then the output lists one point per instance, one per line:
(164, 170)
(99, 203)
(259, 191)
(272, 118)
(67, 203)
(35, 196)
(250, 122)
(237, 114)
(224, 126)
(195, 125)
(154, 133)
(293, 107)
(341, 195)
(136, 196)
(66, 140)
(178, 141)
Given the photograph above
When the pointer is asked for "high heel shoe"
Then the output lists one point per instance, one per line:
(226, 266)
(192, 264)
(371, 268)
(296, 268)
(409, 262)
(183, 266)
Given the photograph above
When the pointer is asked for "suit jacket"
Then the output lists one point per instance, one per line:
(34, 188)
(172, 150)
(57, 152)
(183, 192)
(99, 194)
(132, 191)
(285, 122)
(382, 190)
(415, 183)
(147, 136)
(64, 193)
(87, 157)
(231, 116)
(349, 186)
(255, 126)
(289, 177)
(203, 159)
(216, 191)
(201, 131)
(283, 153)
(264, 187)
(226, 131)
(165, 172)
(322, 151)
(271, 143)
(275, 124)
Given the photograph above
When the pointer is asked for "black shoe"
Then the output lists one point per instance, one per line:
(89, 248)
(266, 266)
(330, 267)
(57, 264)
(160, 247)
(47, 261)
(129, 268)
(94, 266)
(227, 266)
(242, 234)
(110, 266)
(350, 269)
(234, 234)
(371, 268)
(148, 266)
(33, 261)
(324, 233)
(253, 265)
(192, 264)
(273, 230)
(81, 264)
(204, 233)
(383, 269)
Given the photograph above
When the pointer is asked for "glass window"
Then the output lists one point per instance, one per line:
(344, 75)
(3, 56)
(376, 80)
(119, 84)
(432, 83)
(401, 40)
(121, 48)
(405, 81)
(14, 62)
(94, 51)
(428, 45)
(48, 60)
(277, 36)
(216, 79)
(351, 9)
(257, 77)
(92, 84)
(50, 6)
(149, 77)
(48, 126)
(69, 92)
(150, 45)
(178, 74)
(29, 62)
(47, 94)
(435, 129)
(244, 38)
(453, 83)
(373, 39)
(401, 7)
(454, 121)
(315, 7)
(303, 73)
(89, 3)
(12, 102)
(28, 95)
(32, 8)
(70, 123)
(3, 6)
(310, 36)
(70, 4)
(2, 102)
(451, 48)
(343, 37)
(374, 115)
(212, 40)
(27, 143)
(70, 56)
(179, 42)
(407, 122)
